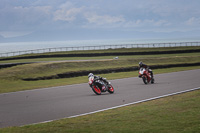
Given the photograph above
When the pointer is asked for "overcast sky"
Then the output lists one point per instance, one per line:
(23, 17)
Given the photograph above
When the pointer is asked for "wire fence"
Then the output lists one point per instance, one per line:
(100, 47)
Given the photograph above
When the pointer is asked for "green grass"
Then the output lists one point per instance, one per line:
(101, 57)
(53, 68)
(174, 114)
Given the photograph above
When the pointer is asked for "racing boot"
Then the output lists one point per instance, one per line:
(152, 78)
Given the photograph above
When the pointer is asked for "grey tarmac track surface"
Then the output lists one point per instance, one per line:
(34, 106)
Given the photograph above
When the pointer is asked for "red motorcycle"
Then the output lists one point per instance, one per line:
(145, 75)
(99, 86)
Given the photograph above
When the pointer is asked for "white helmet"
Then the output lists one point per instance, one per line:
(90, 74)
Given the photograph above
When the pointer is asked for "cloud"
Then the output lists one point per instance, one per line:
(84, 16)
(146, 23)
(93, 18)
(8, 34)
(66, 15)
(193, 21)
(19, 17)
(67, 12)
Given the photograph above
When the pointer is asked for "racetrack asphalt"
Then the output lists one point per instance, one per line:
(35, 106)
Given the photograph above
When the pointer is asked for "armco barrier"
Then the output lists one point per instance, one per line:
(100, 47)
(103, 54)
(105, 71)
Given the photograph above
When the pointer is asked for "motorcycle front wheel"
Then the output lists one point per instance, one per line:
(110, 89)
(144, 78)
(96, 90)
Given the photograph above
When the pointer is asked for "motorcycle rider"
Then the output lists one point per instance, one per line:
(98, 78)
(146, 67)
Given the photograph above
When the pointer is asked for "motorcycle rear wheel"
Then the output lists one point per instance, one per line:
(110, 89)
(96, 90)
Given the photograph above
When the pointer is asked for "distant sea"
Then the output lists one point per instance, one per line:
(23, 46)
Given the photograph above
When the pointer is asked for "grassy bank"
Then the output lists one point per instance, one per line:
(174, 114)
(100, 58)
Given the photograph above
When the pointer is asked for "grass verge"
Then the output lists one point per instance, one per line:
(99, 58)
(174, 114)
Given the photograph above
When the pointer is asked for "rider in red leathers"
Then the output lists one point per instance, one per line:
(146, 67)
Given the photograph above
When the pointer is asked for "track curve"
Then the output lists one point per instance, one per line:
(34, 106)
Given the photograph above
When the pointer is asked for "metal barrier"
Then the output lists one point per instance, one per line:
(100, 47)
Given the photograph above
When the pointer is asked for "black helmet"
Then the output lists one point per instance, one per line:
(140, 63)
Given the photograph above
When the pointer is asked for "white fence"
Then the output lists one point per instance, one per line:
(100, 47)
